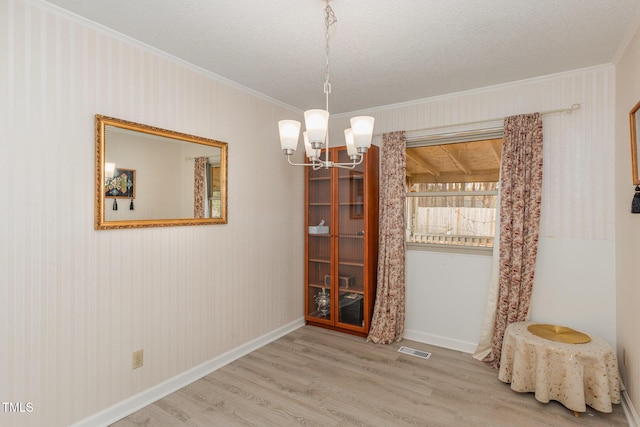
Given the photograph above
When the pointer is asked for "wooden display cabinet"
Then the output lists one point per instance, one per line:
(341, 260)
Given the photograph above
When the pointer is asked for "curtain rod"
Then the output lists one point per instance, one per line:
(559, 110)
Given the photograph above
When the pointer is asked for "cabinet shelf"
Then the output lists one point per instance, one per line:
(354, 263)
(341, 266)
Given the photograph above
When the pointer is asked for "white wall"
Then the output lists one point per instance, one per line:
(77, 302)
(575, 281)
(442, 298)
(627, 224)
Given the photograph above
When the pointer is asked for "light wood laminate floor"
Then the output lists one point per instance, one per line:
(317, 377)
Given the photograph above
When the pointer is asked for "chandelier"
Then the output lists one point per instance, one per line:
(316, 137)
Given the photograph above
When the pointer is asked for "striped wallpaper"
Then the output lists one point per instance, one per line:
(75, 302)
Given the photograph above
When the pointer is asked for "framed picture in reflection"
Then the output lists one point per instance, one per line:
(121, 185)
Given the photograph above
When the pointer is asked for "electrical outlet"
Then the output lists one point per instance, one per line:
(624, 356)
(138, 359)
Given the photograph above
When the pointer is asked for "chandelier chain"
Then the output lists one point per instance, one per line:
(329, 19)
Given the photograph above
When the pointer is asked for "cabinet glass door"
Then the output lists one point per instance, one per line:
(350, 252)
(319, 244)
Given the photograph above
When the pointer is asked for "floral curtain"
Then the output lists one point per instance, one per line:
(387, 325)
(486, 334)
(520, 198)
(199, 188)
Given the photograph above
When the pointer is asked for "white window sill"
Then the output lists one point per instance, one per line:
(457, 249)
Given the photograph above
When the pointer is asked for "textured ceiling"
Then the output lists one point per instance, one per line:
(381, 52)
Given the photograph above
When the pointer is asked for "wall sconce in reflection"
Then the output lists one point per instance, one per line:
(109, 169)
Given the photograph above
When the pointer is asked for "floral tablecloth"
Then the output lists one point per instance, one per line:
(573, 374)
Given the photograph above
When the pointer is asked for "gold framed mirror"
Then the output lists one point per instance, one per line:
(151, 177)
(634, 123)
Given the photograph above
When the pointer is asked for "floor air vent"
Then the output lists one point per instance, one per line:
(413, 352)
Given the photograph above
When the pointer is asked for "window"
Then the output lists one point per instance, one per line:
(452, 189)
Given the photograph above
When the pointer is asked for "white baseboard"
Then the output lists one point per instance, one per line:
(140, 400)
(629, 410)
(465, 347)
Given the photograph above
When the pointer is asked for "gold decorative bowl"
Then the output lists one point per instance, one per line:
(558, 333)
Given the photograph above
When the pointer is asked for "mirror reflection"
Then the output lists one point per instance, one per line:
(146, 177)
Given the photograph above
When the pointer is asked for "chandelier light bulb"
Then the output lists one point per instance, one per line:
(312, 153)
(289, 133)
(351, 146)
(362, 127)
(316, 123)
